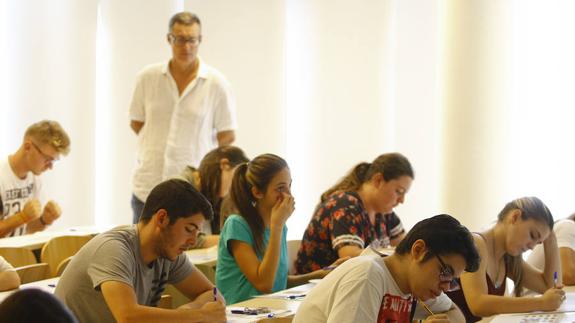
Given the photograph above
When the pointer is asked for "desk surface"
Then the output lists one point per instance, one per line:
(38, 239)
(47, 285)
(567, 306)
(279, 303)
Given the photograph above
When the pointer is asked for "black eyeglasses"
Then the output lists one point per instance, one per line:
(47, 158)
(182, 41)
(446, 275)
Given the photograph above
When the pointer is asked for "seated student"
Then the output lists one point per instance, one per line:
(121, 274)
(20, 185)
(357, 212)
(386, 289)
(9, 278)
(33, 305)
(565, 233)
(522, 224)
(252, 252)
(213, 179)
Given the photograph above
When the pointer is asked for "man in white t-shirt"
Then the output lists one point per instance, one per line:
(181, 109)
(565, 233)
(20, 186)
(378, 288)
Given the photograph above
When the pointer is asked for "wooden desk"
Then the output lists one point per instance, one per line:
(47, 285)
(279, 303)
(38, 239)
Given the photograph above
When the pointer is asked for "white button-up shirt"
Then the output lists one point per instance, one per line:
(178, 130)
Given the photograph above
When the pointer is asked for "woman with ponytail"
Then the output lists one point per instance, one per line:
(521, 225)
(213, 179)
(252, 251)
(357, 212)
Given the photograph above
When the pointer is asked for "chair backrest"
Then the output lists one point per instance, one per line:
(60, 248)
(18, 257)
(62, 265)
(32, 273)
(293, 247)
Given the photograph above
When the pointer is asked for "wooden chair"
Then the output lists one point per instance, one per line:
(62, 265)
(18, 257)
(59, 248)
(32, 273)
(293, 247)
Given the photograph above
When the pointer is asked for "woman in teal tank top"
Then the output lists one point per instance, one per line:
(252, 251)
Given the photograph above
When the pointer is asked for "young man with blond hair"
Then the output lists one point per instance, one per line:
(20, 186)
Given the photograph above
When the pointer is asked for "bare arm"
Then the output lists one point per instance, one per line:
(263, 274)
(482, 304)
(349, 251)
(211, 240)
(567, 265)
(121, 301)
(50, 214)
(9, 280)
(136, 126)
(29, 213)
(296, 280)
(541, 281)
(260, 274)
(226, 137)
(195, 286)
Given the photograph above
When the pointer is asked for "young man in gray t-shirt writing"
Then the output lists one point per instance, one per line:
(121, 274)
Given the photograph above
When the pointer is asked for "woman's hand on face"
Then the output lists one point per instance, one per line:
(282, 210)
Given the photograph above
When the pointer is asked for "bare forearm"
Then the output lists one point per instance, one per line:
(296, 280)
(226, 137)
(35, 226)
(552, 263)
(136, 126)
(9, 280)
(8, 225)
(270, 262)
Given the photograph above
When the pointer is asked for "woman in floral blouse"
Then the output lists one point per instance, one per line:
(357, 212)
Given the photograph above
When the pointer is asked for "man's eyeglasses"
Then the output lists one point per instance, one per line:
(182, 41)
(446, 275)
(47, 158)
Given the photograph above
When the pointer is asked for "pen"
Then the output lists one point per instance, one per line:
(329, 268)
(555, 279)
(244, 312)
(295, 296)
(215, 294)
(425, 306)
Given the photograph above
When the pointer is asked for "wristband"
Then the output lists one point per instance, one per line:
(42, 221)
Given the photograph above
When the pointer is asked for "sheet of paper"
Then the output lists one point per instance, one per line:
(245, 318)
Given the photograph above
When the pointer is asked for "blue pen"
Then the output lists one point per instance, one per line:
(555, 279)
(215, 294)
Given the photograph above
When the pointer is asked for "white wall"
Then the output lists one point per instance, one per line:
(477, 94)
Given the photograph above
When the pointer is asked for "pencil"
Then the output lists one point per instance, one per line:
(425, 306)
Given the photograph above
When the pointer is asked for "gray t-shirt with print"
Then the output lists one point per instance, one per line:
(115, 256)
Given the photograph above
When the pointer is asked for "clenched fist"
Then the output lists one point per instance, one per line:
(51, 212)
(31, 210)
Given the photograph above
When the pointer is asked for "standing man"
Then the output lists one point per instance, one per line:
(20, 184)
(120, 275)
(181, 109)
